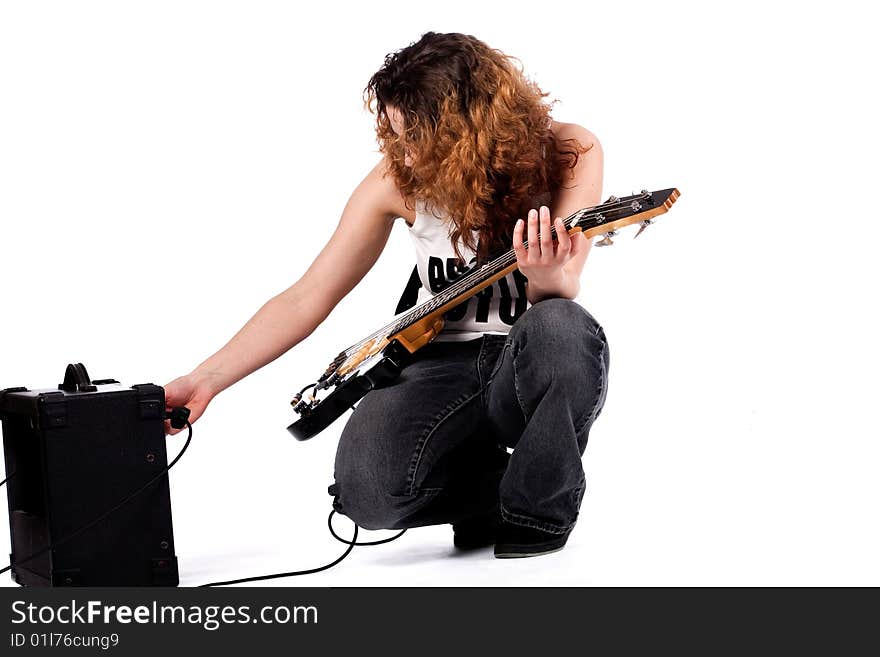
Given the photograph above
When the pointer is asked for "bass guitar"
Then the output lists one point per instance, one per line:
(379, 358)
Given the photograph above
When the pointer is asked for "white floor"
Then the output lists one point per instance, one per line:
(422, 557)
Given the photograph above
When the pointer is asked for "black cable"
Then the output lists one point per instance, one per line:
(258, 578)
(7, 479)
(351, 544)
(352, 541)
(118, 506)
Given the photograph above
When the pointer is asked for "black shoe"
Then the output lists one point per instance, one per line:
(477, 532)
(518, 541)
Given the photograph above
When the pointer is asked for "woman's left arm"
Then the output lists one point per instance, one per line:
(555, 270)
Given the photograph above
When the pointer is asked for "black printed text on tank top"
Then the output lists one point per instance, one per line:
(443, 274)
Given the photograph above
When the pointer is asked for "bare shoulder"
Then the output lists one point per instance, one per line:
(379, 189)
(564, 131)
(582, 185)
(588, 170)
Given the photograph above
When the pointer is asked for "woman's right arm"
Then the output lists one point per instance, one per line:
(289, 317)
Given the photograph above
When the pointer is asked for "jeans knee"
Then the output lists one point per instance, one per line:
(555, 319)
(369, 500)
(560, 337)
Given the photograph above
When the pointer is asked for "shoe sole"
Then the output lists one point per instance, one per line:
(518, 555)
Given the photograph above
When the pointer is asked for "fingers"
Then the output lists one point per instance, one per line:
(518, 248)
(195, 414)
(194, 400)
(534, 244)
(546, 235)
(563, 241)
(542, 249)
(579, 242)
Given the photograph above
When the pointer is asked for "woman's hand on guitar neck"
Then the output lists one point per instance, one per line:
(543, 262)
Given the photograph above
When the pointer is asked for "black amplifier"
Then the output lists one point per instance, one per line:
(73, 453)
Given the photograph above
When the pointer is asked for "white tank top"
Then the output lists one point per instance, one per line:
(492, 310)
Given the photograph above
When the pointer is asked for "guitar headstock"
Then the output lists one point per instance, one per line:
(616, 213)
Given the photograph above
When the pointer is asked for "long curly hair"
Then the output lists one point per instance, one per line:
(477, 135)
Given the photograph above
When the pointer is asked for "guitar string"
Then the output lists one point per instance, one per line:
(438, 300)
(510, 256)
(486, 271)
(448, 294)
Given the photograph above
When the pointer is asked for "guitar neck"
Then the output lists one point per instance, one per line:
(604, 218)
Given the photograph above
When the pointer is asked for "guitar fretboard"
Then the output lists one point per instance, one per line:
(609, 214)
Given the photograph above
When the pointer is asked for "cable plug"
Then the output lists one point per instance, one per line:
(178, 416)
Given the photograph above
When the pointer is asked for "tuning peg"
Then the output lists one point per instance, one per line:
(644, 224)
(606, 239)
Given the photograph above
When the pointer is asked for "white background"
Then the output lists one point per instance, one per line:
(167, 167)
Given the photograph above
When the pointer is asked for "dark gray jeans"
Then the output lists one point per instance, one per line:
(430, 447)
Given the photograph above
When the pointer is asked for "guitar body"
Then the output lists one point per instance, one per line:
(392, 358)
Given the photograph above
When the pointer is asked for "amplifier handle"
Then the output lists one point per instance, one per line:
(76, 379)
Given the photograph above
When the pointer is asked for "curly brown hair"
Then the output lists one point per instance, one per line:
(478, 134)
